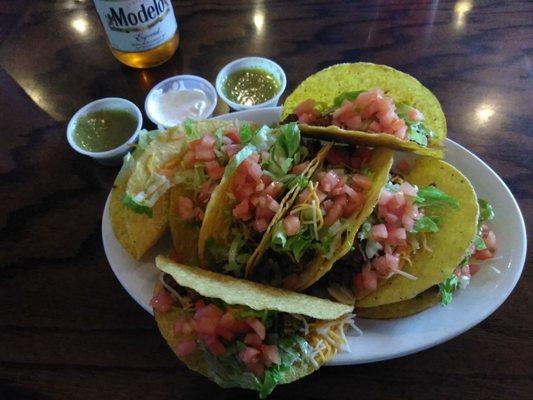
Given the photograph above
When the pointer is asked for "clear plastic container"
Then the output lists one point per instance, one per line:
(159, 103)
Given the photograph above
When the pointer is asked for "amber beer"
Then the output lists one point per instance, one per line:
(140, 33)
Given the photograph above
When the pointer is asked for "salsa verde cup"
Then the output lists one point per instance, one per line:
(113, 156)
(251, 62)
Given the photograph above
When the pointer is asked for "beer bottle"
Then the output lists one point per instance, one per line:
(140, 33)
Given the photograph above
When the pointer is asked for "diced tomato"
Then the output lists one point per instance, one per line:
(162, 301)
(185, 348)
(490, 240)
(249, 355)
(270, 354)
(397, 236)
(225, 333)
(208, 140)
(204, 153)
(403, 166)
(335, 212)
(214, 170)
(257, 326)
(370, 279)
(185, 207)
(228, 321)
(337, 157)
(177, 326)
(328, 180)
(199, 304)
(305, 111)
(358, 282)
(260, 225)
(233, 135)
(291, 225)
(354, 123)
(213, 344)
(362, 181)
(408, 189)
(384, 197)
(483, 254)
(474, 269)
(241, 326)
(242, 210)
(351, 207)
(408, 222)
(257, 368)
(252, 339)
(379, 232)
(209, 311)
(414, 115)
(299, 168)
(231, 149)
(397, 201)
(273, 189)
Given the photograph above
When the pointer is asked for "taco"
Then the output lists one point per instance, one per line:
(189, 158)
(242, 334)
(369, 103)
(210, 147)
(258, 185)
(419, 232)
(321, 225)
(139, 227)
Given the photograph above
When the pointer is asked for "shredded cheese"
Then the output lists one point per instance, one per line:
(328, 337)
(186, 304)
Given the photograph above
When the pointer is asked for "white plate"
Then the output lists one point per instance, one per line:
(385, 339)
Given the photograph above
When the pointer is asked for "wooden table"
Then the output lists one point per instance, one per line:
(67, 328)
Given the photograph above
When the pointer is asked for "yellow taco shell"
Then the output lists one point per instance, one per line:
(327, 84)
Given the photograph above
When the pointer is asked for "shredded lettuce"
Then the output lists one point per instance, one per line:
(295, 245)
(486, 212)
(218, 137)
(237, 254)
(446, 289)
(285, 152)
(350, 96)
(145, 138)
(263, 138)
(431, 196)
(136, 207)
(427, 223)
(392, 187)
(479, 243)
(228, 371)
(245, 134)
(364, 231)
(367, 172)
(279, 238)
(190, 130)
(242, 155)
(128, 166)
(416, 130)
(418, 133)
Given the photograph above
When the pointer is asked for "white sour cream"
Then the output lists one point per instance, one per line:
(177, 104)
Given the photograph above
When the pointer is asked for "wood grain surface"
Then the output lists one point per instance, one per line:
(67, 328)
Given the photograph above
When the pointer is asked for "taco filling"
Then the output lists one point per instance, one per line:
(251, 196)
(481, 250)
(311, 235)
(394, 232)
(368, 111)
(202, 167)
(237, 345)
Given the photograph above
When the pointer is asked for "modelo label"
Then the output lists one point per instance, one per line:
(137, 25)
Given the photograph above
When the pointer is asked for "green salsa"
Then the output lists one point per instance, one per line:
(250, 86)
(104, 130)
